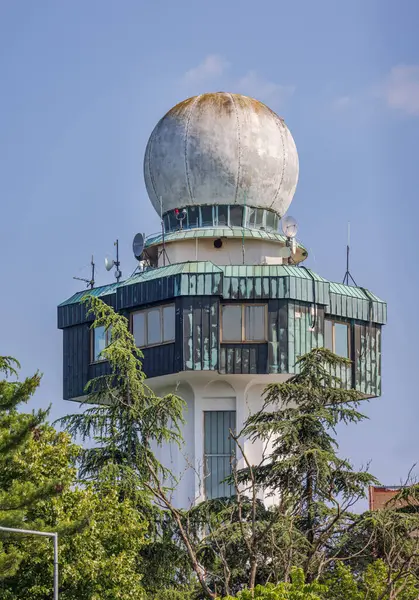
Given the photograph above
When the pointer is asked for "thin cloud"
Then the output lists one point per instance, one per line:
(254, 85)
(342, 103)
(213, 70)
(400, 89)
(212, 66)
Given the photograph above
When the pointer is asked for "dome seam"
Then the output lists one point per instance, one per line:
(186, 148)
(239, 147)
(159, 201)
(284, 162)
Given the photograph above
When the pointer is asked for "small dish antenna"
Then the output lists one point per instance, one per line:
(289, 227)
(110, 263)
(138, 245)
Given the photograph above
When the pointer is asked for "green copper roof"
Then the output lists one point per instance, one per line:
(354, 292)
(176, 269)
(270, 271)
(242, 282)
(98, 291)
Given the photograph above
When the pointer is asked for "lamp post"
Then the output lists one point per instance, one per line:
(54, 536)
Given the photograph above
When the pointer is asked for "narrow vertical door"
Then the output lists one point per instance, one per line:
(219, 449)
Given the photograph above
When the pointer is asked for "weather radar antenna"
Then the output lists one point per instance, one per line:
(90, 282)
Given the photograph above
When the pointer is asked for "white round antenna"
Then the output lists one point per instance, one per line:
(138, 245)
(289, 226)
(109, 263)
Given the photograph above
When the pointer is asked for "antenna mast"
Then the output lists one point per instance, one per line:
(162, 231)
(348, 275)
(90, 282)
(118, 273)
(163, 251)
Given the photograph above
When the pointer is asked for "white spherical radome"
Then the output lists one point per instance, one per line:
(221, 148)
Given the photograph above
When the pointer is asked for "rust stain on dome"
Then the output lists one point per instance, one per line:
(222, 102)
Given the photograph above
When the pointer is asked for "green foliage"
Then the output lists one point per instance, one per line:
(303, 469)
(220, 528)
(297, 589)
(173, 594)
(126, 421)
(124, 416)
(36, 462)
(101, 535)
(302, 414)
(375, 583)
(100, 538)
(116, 542)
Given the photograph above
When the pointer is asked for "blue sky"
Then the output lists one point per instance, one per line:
(82, 85)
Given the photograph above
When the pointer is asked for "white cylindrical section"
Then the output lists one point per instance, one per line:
(256, 252)
(204, 391)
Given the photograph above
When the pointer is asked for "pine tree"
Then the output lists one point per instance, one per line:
(123, 415)
(126, 421)
(300, 417)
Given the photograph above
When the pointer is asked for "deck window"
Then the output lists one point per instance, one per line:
(222, 215)
(236, 216)
(271, 221)
(193, 216)
(206, 216)
(100, 340)
(154, 325)
(243, 322)
(336, 337)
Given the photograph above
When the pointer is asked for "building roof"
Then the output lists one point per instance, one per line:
(241, 282)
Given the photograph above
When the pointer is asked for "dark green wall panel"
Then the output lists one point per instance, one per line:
(200, 333)
(277, 336)
(294, 328)
(76, 360)
(305, 331)
(243, 358)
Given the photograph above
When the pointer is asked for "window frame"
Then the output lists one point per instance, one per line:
(144, 311)
(241, 208)
(93, 359)
(243, 323)
(348, 329)
(248, 220)
(217, 218)
(202, 209)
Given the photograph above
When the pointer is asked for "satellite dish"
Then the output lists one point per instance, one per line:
(138, 245)
(109, 263)
(289, 227)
